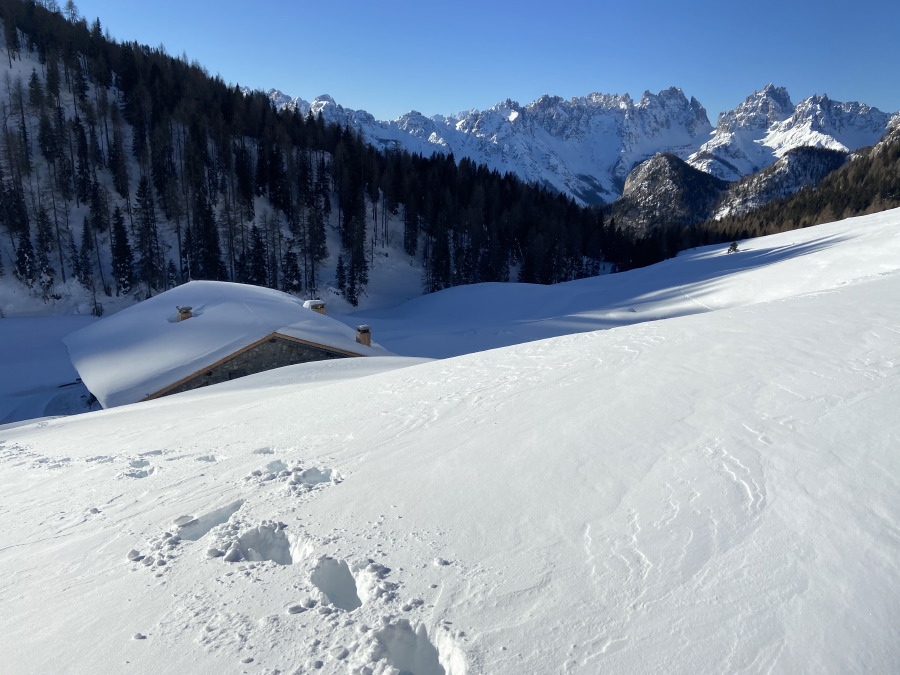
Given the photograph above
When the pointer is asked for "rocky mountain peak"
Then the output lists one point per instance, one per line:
(664, 190)
(658, 171)
(759, 111)
(587, 146)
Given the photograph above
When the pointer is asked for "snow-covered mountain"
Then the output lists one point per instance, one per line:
(587, 146)
(768, 125)
(713, 488)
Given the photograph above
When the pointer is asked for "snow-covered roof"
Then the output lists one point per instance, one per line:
(137, 352)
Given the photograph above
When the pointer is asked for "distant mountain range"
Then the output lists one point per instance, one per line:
(127, 172)
(588, 146)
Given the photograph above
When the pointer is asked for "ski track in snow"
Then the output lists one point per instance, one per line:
(697, 302)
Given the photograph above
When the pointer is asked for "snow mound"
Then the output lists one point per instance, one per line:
(139, 351)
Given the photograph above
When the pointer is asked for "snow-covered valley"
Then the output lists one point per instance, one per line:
(710, 485)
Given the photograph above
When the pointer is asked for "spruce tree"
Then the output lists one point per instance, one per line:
(52, 68)
(117, 161)
(86, 262)
(189, 264)
(171, 274)
(122, 256)
(292, 281)
(35, 92)
(341, 274)
(74, 258)
(26, 270)
(83, 162)
(206, 240)
(149, 268)
(47, 140)
(44, 240)
(257, 269)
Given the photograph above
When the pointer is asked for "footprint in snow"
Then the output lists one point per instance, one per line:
(137, 473)
(298, 478)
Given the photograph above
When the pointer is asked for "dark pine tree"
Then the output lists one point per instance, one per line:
(206, 240)
(26, 270)
(257, 269)
(341, 274)
(171, 274)
(149, 268)
(122, 255)
(44, 245)
(292, 281)
(86, 262)
(83, 162)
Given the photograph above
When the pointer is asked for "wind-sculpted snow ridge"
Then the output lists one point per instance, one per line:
(717, 491)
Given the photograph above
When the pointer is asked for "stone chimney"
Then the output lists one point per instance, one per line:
(315, 305)
(184, 313)
(364, 335)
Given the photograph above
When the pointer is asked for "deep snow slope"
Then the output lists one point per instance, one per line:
(36, 376)
(709, 493)
(465, 319)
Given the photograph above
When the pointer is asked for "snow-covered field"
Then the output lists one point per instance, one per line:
(709, 486)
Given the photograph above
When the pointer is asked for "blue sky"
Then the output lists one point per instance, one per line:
(394, 56)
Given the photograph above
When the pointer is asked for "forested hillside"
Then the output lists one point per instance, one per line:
(125, 171)
(868, 183)
(132, 171)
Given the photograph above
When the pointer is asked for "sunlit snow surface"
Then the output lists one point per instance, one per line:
(715, 492)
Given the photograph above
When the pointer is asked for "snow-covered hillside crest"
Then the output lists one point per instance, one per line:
(768, 125)
(587, 146)
(712, 493)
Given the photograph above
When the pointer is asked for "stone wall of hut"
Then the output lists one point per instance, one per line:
(273, 353)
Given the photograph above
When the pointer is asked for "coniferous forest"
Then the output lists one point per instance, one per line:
(133, 171)
(868, 183)
(128, 171)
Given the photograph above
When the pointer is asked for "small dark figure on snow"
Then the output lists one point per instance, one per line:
(733, 248)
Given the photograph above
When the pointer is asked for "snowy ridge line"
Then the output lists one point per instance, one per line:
(587, 146)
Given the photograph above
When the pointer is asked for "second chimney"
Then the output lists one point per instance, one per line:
(364, 335)
(315, 305)
(184, 313)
